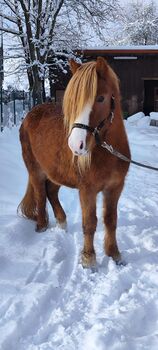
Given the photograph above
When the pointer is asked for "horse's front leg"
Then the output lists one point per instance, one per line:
(89, 223)
(111, 197)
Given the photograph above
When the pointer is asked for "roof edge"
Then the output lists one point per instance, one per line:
(147, 49)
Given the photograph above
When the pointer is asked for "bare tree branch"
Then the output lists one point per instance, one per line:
(10, 4)
(9, 30)
(9, 18)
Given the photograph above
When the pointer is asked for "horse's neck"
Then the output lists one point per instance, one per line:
(115, 134)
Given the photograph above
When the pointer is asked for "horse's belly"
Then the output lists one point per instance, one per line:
(65, 179)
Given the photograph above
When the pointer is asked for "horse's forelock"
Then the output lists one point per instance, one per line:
(81, 90)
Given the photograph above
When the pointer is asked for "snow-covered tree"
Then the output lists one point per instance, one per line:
(47, 28)
(136, 24)
(141, 22)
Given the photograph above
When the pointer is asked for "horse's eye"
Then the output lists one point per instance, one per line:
(100, 99)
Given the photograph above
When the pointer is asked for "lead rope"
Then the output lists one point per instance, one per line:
(119, 155)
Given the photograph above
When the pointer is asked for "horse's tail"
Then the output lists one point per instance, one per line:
(27, 206)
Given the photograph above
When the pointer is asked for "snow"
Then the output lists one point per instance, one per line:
(139, 119)
(47, 300)
(154, 115)
(136, 117)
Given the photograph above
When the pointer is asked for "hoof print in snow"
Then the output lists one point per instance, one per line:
(94, 269)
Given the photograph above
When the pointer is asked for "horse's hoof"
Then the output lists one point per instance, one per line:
(88, 260)
(62, 225)
(40, 229)
(120, 261)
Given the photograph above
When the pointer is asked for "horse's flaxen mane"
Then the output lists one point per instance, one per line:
(81, 90)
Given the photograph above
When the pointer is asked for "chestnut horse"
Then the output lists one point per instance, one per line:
(65, 149)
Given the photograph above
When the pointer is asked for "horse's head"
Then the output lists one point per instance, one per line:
(88, 103)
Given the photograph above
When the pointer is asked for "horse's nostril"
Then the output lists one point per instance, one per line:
(81, 145)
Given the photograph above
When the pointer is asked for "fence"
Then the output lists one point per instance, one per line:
(13, 107)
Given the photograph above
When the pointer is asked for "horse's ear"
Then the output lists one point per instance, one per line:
(101, 67)
(74, 66)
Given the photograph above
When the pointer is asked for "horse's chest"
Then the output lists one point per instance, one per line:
(105, 175)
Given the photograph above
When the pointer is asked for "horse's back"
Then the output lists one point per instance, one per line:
(45, 112)
(44, 127)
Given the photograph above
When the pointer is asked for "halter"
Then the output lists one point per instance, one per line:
(95, 131)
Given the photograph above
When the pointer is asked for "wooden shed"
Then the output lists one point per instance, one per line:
(137, 69)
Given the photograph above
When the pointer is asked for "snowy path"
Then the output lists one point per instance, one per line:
(47, 301)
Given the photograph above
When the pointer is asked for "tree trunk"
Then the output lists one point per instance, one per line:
(43, 91)
(37, 92)
(37, 86)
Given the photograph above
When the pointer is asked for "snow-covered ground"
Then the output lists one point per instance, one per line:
(47, 300)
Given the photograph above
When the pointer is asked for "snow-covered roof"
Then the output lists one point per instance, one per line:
(121, 49)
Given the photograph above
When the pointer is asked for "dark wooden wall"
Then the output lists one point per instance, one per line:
(135, 76)
(138, 80)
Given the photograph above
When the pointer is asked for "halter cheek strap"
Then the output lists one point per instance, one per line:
(95, 131)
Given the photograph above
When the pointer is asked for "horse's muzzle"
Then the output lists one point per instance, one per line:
(77, 143)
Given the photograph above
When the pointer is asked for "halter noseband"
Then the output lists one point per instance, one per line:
(95, 131)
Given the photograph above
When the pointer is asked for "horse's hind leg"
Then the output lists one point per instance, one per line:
(52, 194)
(39, 186)
(111, 197)
(33, 204)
